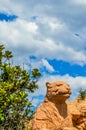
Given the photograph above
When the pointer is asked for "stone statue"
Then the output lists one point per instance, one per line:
(56, 113)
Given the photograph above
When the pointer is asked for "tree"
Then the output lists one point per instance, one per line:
(82, 94)
(15, 85)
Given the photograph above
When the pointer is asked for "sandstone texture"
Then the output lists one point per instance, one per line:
(56, 113)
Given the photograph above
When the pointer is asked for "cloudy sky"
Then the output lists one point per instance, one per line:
(49, 35)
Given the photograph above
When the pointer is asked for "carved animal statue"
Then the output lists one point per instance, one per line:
(55, 113)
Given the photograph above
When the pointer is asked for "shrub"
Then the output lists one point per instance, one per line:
(15, 86)
(82, 94)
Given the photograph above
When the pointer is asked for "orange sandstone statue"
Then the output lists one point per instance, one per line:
(55, 113)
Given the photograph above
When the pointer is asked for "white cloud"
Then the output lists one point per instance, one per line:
(47, 65)
(52, 22)
(50, 49)
(54, 25)
(49, 45)
(11, 7)
(74, 82)
(51, 35)
(82, 2)
(23, 38)
(18, 34)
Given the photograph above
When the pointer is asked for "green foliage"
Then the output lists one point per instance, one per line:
(82, 94)
(15, 85)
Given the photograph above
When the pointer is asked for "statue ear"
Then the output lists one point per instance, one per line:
(47, 84)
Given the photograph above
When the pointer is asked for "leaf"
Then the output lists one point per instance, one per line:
(36, 73)
(1, 117)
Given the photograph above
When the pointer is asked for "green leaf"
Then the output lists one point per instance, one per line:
(36, 73)
(1, 117)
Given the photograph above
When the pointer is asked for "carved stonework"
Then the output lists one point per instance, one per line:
(55, 113)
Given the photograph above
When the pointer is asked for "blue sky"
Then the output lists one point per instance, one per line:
(49, 35)
(6, 17)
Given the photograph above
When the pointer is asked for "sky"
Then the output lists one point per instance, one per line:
(49, 35)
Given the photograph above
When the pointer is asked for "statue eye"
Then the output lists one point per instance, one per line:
(58, 85)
